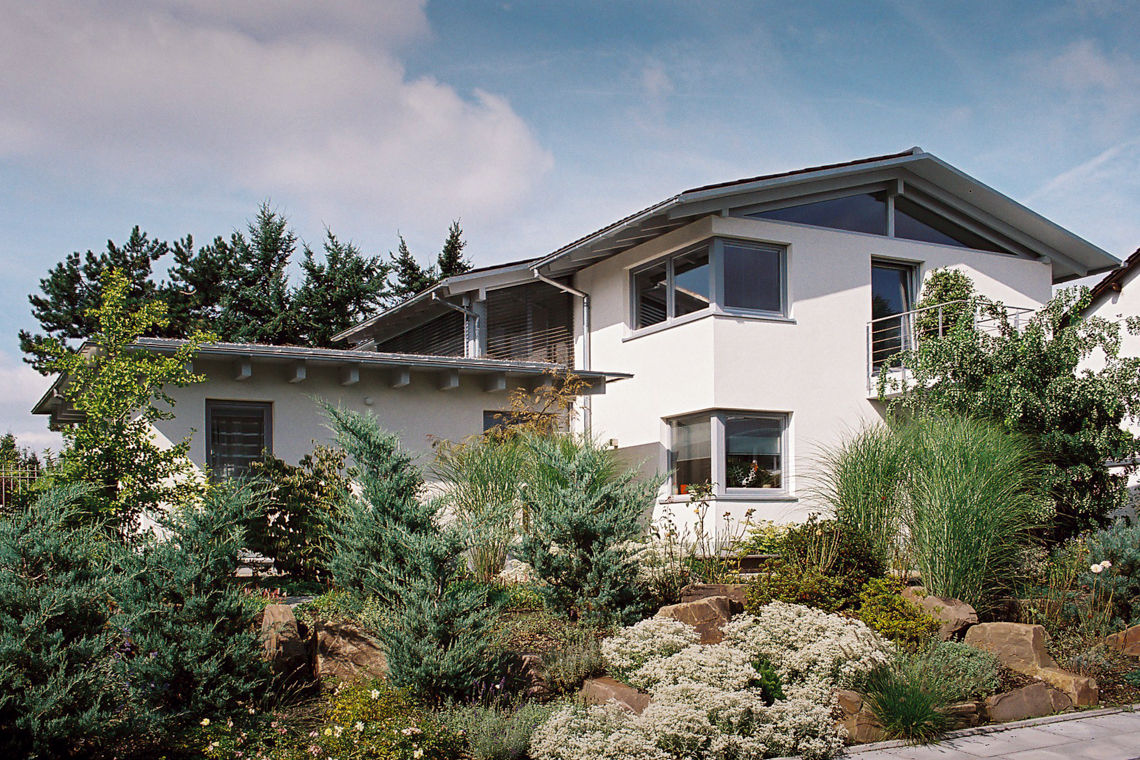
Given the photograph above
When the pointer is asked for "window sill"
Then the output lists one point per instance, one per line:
(754, 316)
(734, 497)
(660, 326)
(719, 314)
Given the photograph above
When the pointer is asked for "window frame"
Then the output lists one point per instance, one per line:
(718, 453)
(213, 406)
(715, 249)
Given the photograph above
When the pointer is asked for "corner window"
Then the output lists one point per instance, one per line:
(736, 451)
(237, 433)
(747, 276)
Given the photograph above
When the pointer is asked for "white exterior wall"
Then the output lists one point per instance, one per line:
(812, 366)
(416, 412)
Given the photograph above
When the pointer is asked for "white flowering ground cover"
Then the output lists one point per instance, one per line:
(706, 701)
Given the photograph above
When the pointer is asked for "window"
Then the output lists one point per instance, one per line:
(748, 276)
(856, 213)
(737, 451)
(237, 433)
(914, 222)
(493, 420)
(892, 286)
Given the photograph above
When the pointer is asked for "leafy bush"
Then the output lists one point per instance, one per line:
(193, 649)
(388, 544)
(792, 584)
(972, 496)
(1118, 583)
(56, 645)
(578, 658)
(497, 732)
(584, 514)
(965, 671)
(908, 702)
(298, 503)
(883, 607)
(861, 481)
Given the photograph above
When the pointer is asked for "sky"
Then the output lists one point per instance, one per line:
(533, 123)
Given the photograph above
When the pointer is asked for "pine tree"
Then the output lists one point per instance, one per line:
(198, 283)
(256, 305)
(411, 278)
(73, 289)
(451, 260)
(337, 293)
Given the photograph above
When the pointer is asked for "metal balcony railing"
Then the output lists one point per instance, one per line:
(888, 338)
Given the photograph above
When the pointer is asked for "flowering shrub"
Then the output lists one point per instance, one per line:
(813, 652)
(577, 732)
(632, 647)
(713, 665)
(1114, 571)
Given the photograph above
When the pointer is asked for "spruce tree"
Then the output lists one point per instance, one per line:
(410, 277)
(337, 293)
(198, 283)
(451, 260)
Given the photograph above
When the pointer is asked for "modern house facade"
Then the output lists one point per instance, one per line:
(726, 333)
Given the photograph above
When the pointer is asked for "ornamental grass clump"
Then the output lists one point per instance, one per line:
(909, 700)
(972, 496)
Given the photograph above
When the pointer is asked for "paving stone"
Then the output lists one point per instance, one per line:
(1101, 749)
(1004, 742)
(1117, 722)
(1045, 753)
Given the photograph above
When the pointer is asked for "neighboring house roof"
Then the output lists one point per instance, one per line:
(52, 401)
(1115, 280)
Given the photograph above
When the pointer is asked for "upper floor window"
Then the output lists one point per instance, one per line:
(866, 212)
(720, 275)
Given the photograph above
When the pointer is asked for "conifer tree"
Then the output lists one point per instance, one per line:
(410, 277)
(451, 260)
(338, 292)
(198, 283)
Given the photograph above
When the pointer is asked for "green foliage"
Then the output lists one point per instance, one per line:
(908, 701)
(578, 657)
(337, 293)
(780, 582)
(861, 480)
(945, 302)
(1118, 585)
(410, 277)
(191, 646)
(972, 497)
(1029, 379)
(115, 388)
(497, 732)
(56, 644)
(965, 671)
(584, 514)
(1132, 678)
(883, 608)
(298, 504)
(451, 261)
(768, 681)
(387, 543)
(482, 477)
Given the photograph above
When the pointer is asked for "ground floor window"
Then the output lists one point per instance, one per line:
(237, 434)
(737, 451)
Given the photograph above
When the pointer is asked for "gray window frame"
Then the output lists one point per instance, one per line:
(719, 449)
(213, 406)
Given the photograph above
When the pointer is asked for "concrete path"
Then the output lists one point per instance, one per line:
(1100, 735)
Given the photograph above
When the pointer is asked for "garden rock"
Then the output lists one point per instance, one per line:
(858, 722)
(964, 714)
(600, 691)
(954, 615)
(697, 591)
(1021, 648)
(1033, 701)
(284, 647)
(706, 615)
(344, 652)
(1127, 641)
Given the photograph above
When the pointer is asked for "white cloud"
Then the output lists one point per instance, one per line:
(297, 99)
(23, 387)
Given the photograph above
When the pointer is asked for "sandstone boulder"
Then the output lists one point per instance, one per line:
(343, 651)
(955, 615)
(734, 591)
(1031, 701)
(284, 647)
(1021, 648)
(856, 719)
(1127, 641)
(600, 691)
(964, 714)
(706, 615)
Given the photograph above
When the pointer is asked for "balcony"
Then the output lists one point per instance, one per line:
(890, 337)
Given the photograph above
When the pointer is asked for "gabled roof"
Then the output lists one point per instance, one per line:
(1115, 280)
(914, 172)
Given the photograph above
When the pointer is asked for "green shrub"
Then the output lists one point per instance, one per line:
(965, 671)
(883, 608)
(497, 732)
(578, 658)
(781, 582)
(1118, 584)
(908, 701)
(862, 483)
(193, 648)
(1132, 678)
(584, 514)
(767, 680)
(972, 497)
(57, 688)
(388, 544)
(298, 502)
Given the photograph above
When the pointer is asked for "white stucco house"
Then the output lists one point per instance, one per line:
(726, 332)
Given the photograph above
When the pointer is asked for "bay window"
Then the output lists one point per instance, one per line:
(737, 451)
(720, 275)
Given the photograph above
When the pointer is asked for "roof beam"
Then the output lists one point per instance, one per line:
(448, 380)
(243, 369)
(496, 383)
(299, 373)
(350, 374)
(401, 377)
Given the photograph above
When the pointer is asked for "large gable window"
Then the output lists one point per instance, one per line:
(866, 212)
(237, 434)
(738, 452)
(718, 276)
